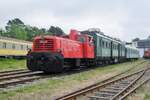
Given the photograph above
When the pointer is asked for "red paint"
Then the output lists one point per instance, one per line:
(147, 53)
(69, 46)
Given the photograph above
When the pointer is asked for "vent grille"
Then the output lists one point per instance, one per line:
(44, 44)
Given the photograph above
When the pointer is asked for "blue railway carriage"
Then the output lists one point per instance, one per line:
(132, 53)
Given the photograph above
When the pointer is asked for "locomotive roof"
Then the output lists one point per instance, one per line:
(44, 36)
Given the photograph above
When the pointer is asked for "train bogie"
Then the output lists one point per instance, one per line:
(45, 61)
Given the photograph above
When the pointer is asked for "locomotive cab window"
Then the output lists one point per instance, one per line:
(81, 39)
(90, 40)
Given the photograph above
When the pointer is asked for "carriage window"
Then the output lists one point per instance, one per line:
(115, 46)
(106, 44)
(109, 45)
(27, 47)
(13, 46)
(4, 45)
(103, 44)
(21, 47)
(99, 42)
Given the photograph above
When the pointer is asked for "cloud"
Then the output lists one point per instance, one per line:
(125, 19)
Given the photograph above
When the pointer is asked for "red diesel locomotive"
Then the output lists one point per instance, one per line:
(53, 53)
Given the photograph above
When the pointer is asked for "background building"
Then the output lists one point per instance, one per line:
(141, 44)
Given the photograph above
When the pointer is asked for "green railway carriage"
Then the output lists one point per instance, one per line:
(107, 49)
(10, 47)
(132, 53)
(103, 47)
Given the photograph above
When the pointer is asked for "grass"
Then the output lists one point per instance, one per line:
(59, 84)
(10, 64)
(143, 93)
(147, 96)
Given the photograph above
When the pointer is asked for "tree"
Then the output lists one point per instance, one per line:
(43, 31)
(16, 29)
(55, 31)
(15, 21)
(33, 31)
(136, 39)
(2, 32)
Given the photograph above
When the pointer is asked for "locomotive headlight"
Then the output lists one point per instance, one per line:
(58, 50)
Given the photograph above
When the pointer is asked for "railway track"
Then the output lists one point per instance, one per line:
(13, 77)
(9, 71)
(117, 89)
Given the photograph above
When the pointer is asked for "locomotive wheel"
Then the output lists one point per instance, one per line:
(30, 66)
(57, 66)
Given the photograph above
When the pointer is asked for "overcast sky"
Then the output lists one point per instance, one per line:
(125, 19)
